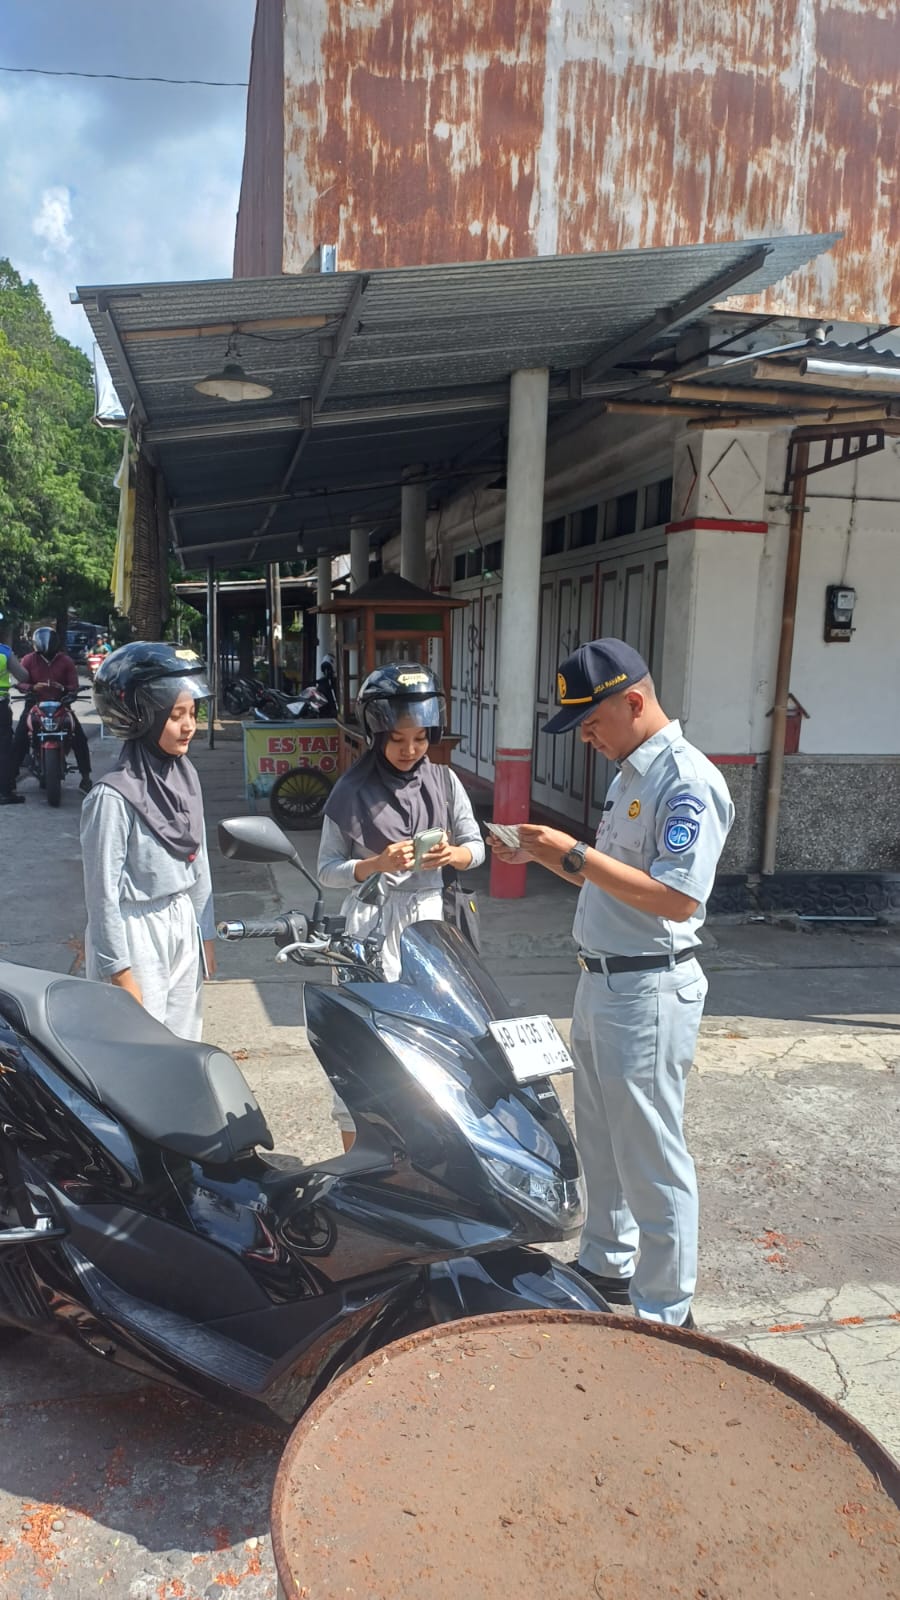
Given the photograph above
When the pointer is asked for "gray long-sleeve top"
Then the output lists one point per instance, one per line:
(125, 862)
(338, 853)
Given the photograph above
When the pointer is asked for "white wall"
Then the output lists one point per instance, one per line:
(718, 705)
(850, 690)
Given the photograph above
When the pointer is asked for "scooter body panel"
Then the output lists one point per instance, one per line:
(253, 1281)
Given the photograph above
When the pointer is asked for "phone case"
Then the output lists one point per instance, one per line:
(424, 842)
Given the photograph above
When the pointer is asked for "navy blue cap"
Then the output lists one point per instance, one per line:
(591, 674)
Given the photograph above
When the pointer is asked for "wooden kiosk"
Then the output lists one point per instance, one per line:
(388, 619)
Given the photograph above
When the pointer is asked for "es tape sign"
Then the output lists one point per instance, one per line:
(275, 748)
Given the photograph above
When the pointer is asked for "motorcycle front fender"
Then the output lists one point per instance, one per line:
(507, 1280)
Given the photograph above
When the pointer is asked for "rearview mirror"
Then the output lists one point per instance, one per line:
(254, 839)
(372, 892)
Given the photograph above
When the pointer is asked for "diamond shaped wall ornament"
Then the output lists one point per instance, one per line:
(686, 472)
(734, 477)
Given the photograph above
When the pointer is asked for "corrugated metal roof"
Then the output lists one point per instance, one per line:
(426, 355)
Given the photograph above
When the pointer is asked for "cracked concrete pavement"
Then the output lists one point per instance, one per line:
(110, 1485)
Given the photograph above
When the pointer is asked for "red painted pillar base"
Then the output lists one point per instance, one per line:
(512, 803)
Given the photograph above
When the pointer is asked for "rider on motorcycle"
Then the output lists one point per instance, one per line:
(51, 674)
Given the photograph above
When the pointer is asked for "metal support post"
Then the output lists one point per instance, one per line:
(359, 555)
(276, 653)
(324, 635)
(413, 519)
(519, 619)
(785, 655)
(212, 649)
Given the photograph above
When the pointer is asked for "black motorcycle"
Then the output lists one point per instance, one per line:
(242, 694)
(142, 1215)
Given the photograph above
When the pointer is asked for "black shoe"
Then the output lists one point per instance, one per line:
(688, 1321)
(615, 1290)
(12, 799)
(86, 784)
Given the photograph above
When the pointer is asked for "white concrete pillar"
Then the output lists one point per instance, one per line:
(413, 520)
(715, 541)
(325, 628)
(716, 545)
(359, 555)
(526, 455)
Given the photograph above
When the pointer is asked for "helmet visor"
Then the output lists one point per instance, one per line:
(162, 693)
(45, 641)
(383, 716)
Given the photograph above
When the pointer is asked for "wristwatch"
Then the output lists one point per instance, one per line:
(573, 860)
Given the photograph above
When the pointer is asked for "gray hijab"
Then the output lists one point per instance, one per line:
(376, 805)
(163, 790)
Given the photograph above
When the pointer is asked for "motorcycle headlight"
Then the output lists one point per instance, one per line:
(515, 1170)
(559, 1198)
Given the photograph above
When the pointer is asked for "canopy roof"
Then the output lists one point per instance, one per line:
(372, 373)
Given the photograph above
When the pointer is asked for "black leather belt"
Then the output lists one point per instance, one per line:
(635, 963)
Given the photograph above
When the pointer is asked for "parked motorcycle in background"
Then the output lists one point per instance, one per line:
(242, 695)
(318, 702)
(51, 732)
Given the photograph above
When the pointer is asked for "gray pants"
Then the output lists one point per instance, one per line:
(633, 1042)
(164, 946)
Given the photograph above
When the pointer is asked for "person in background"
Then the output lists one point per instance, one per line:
(147, 886)
(51, 674)
(11, 671)
(377, 808)
(644, 887)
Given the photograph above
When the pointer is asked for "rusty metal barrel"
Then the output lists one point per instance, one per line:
(564, 1456)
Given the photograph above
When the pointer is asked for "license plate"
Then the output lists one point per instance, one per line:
(533, 1047)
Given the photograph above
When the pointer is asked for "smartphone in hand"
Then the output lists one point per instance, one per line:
(423, 842)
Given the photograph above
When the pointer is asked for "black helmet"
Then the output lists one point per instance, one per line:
(136, 682)
(46, 642)
(401, 691)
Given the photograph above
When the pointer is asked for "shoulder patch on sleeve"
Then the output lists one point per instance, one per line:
(687, 802)
(680, 834)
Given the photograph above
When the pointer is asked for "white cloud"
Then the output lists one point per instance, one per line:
(53, 219)
(120, 182)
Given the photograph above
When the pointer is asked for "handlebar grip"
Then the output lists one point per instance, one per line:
(252, 929)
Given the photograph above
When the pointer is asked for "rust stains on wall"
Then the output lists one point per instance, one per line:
(460, 132)
(425, 131)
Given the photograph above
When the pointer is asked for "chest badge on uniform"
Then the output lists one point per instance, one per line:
(680, 834)
(634, 810)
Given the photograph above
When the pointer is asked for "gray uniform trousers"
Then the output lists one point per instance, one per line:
(633, 1041)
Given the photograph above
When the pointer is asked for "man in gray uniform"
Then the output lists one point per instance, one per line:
(638, 1006)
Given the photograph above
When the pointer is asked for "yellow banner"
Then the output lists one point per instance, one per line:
(272, 748)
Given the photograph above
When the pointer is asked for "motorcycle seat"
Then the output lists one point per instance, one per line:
(190, 1098)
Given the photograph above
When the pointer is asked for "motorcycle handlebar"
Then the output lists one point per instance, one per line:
(252, 929)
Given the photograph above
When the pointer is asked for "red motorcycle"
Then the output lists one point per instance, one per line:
(50, 742)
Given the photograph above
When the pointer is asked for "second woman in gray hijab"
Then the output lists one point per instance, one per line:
(389, 796)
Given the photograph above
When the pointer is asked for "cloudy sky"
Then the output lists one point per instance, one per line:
(116, 182)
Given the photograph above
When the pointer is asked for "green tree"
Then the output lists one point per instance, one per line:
(58, 505)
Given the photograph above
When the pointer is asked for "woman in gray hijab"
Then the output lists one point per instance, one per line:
(151, 928)
(375, 811)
